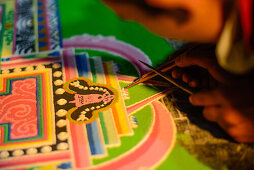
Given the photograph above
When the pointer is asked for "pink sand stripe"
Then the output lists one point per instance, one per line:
(69, 64)
(80, 147)
(33, 61)
(136, 106)
(157, 145)
(35, 159)
(126, 78)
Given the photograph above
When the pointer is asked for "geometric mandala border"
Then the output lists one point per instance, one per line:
(60, 141)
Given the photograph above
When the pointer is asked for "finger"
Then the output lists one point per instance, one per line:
(205, 60)
(195, 76)
(241, 133)
(244, 139)
(215, 114)
(241, 130)
(233, 116)
(207, 98)
(212, 113)
(189, 76)
(186, 78)
(236, 124)
(176, 73)
(191, 57)
(193, 83)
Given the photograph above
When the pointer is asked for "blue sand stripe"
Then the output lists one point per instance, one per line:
(82, 65)
(41, 35)
(42, 44)
(94, 139)
(40, 19)
(40, 27)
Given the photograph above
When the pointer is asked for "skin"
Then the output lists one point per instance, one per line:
(174, 18)
(226, 98)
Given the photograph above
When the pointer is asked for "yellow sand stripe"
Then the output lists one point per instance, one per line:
(111, 132)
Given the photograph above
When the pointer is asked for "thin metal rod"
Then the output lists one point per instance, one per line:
(164, 67)
(167, 78)
(149, 75)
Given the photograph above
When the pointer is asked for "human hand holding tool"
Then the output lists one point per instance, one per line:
(181, 86)
(151, 74)
(169, 65)
(229, 102)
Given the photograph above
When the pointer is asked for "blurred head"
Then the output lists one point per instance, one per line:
(191, 20)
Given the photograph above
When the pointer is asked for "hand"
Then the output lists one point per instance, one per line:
(229, 102)
(231, 108)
